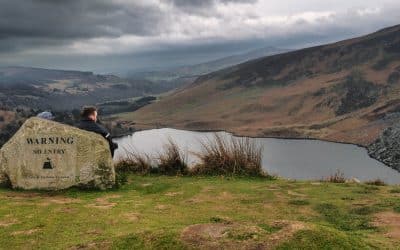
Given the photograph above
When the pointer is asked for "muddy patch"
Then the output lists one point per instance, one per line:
(162, 207)
(41, 199)
(296, 194)
(273, 187)
(7, 221)
(113, 196)
(104, 202)
(289, 228)
(63, 200)
(68, 210)
(24, 195)
(225, 196)
(208, 189)
(268, 205)
(194, 200)
(58, 200)
(92, 245)
(172, 194)
(238, 235)
(280, 197)
(94, 232)
(132, 217)
(390, 221)
(205, 236)
(206, 197)
(25, 232)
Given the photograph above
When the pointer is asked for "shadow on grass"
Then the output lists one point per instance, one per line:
(323, 238)
(353, 220)
(148, 240)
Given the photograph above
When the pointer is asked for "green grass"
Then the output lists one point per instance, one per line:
(323, 238)
(270, 228)
(339, 218)
(150, 212)
(395, 191)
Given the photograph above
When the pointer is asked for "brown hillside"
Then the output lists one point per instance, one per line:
(346, 91)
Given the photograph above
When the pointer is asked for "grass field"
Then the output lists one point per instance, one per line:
(158, 212)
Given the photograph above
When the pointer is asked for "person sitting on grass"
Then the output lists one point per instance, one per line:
(89, 122)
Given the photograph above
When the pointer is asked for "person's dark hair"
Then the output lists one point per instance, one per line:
(87, 110)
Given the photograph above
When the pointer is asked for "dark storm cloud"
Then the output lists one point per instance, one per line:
(115, 34)
(12, 45)
(198, 6)
(202, 7)
(33, 24)
(73, 19)
(192, 3)
(203, 3)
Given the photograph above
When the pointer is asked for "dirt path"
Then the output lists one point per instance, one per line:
(391, 222)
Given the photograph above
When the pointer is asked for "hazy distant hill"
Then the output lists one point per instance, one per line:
(18, 75)
(345, 91)
(192, 71)
(62, 89)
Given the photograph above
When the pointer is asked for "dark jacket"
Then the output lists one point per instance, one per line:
(90, 125)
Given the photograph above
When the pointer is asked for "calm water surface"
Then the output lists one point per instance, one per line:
(294, 159)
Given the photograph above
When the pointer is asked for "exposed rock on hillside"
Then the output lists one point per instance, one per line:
(386, 148)
(358, 93)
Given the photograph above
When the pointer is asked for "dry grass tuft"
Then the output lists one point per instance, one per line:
(376, 182)
(172, 161)
(134, 162)
(220, 156)
(337, 177)
(234, 156)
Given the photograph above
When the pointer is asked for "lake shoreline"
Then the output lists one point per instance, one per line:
(241, 135)
(286, 154)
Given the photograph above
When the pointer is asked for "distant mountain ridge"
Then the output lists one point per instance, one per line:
(192, 71)
(67, 89)
(345, 91)
(26, 75)
(20, 71)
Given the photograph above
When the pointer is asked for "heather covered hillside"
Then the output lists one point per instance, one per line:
(345, 91)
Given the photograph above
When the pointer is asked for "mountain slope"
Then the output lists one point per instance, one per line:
(345, 91)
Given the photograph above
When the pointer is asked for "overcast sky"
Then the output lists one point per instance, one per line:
(121, 35)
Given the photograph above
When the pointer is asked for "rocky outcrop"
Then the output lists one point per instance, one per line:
(51, 156)
(386, 148)
(356, 92)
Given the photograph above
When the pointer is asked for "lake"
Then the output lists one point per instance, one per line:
(288, 158)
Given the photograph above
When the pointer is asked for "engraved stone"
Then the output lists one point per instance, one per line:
(48, 155)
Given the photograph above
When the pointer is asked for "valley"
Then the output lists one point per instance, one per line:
(219, 124)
